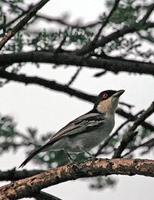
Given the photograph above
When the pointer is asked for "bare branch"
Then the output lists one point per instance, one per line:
(149, 144)
(115, 35)
(60, 20)
(116, 3)
(45, 196)
(130, 106)
(130, 133)
(46, 83)
(148, 13)
(128, 115)
(65, 23)
(22, 23)
(13, 174)
(4, 26)
(100, 167)
(64, 88)
(108, 139)
(59, 48)
(74, 76)
(69, 58)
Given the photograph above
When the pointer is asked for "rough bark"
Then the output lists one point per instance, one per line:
(100, 167)
(109, 64)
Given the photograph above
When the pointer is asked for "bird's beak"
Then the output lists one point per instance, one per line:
(119, 93)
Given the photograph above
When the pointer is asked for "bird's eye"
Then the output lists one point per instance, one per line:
(105, 96)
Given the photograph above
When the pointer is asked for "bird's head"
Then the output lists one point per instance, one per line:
(107, 101)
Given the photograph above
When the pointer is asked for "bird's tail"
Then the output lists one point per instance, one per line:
(33, 154)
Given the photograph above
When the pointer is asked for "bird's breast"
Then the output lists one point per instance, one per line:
(89, 140)
(86, 140)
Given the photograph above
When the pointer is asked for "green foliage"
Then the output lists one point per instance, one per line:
(17, 43)
(7, 127)
(126, 13)
(49, 40)
(7, 133)
(43, 40)
(78, 36)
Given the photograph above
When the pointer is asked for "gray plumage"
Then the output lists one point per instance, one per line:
(88, 130)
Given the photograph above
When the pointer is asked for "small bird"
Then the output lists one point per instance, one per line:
(86, 131)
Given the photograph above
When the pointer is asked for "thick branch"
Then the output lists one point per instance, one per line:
(27, 187)
(128, 137)
(46, 83)
(113, 65)
(22, 23)
(13, 174)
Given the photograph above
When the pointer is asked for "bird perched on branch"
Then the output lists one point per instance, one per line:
(88, 130)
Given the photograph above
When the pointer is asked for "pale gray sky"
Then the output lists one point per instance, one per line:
(46, 110)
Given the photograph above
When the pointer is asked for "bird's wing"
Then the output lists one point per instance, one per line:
(84, 123)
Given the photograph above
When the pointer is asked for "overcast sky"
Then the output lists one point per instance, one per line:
(34, 106)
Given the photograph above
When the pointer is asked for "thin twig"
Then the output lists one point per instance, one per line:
(61, 20)
(59, 48)
(145, 144)
(74, 76)
(126, 104)
(116, 3)
(114, 134)
(130, 134)
(148, 13)
(91, 46)
(22, 23)
(13, 20)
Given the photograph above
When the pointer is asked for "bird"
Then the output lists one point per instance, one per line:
(88, 130)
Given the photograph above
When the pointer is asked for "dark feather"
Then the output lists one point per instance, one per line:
(84, 123)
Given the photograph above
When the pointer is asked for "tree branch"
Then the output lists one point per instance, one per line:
(13, 174)
(64, 88)
(108, 139)
(100, 167)
(60, 20)
(116, 3)
(148, 144)
(46, 83)
(113, 65)
(115, 35)
(22, 23)
(45, 196)
(148, 13)
(128, 137)
(131, 117)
